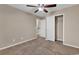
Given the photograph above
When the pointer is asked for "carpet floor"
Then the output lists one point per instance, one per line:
(40, 46)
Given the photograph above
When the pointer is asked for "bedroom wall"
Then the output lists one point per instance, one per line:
(15, 26)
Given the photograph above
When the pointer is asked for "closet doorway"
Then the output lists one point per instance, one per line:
(59, 28)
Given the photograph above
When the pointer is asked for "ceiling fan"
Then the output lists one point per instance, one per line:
(42, 7)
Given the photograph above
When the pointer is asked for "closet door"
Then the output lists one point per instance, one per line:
(42, 30)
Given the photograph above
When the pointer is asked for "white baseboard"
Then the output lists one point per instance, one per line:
(49, 39)
(60, 39)
(71, 45)
(17, 44)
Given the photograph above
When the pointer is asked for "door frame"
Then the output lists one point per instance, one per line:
(63, 25)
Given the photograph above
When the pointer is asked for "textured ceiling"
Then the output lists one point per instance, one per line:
(31, 10)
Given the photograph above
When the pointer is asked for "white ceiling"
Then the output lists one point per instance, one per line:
(31, 10)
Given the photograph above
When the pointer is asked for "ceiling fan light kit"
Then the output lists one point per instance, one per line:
(40, 9)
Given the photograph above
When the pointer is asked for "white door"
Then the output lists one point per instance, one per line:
(42, 30)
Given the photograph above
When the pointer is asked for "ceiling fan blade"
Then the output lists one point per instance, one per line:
(51, 5)
(45, 10)
(36, 11)
(31, 6)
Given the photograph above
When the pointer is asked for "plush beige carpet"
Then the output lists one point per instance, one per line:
(40, 46)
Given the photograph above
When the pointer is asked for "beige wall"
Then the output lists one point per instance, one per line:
(15, 26)
(71, 25)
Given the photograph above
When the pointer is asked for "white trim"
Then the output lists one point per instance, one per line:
(71, 45)
(16, 44)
